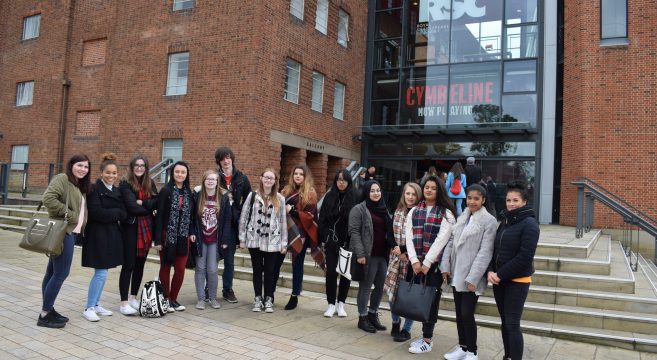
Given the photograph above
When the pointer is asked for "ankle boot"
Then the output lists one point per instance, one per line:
(364, 324)
(292, 303)
(395, 330)
(374, 321)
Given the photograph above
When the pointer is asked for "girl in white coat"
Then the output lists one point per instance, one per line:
(466, 257)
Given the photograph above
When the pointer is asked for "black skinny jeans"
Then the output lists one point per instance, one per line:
(132, 270)
(332, 277)
(465, 304)
(510, 298)
(263, 261)
(434, 278)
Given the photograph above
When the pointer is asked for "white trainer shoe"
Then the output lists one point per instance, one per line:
(470, 356)
(341, 310)
(215, 304)
(90, 314)
(456, 354)
(127, 310)
(200, 305)
(269, 305)
(330, 310)
(420, 347)
(257, 304)
(102, 311)
(134, 303)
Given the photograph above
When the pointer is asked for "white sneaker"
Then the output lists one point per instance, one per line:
(470, 356)
(420, 347)
(341, 311)
(269, 305)
(102, 311)
(215, 304)
(134, 303)
(90, 314)
(330, 310)
(127, 310)
(456, 354)
(257, 304)
(200, 305)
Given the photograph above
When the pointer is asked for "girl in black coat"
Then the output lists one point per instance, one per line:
(139, 197)
(102, 247)
(333, 224)
(511, 268)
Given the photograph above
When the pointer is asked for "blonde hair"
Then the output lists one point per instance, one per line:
(402, 205)
(306, 191)
(274, 189)
(204, 194)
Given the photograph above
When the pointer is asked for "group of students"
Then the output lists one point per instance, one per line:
(424, 241)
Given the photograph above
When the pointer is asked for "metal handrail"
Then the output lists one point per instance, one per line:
(588, 191)
(160, 167)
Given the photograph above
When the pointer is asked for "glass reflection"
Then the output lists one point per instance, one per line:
(520, 76)
(388, 24)
(385, 113)
(474, 93)
(521, 42)
(386, 54)
(385, 84)
(476, 31)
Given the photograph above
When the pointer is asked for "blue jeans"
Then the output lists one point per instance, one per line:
(57, 271)
(96, 286)
(229, 265)
(459, 206)
(297, 269)
(408, 323)
(510, 299)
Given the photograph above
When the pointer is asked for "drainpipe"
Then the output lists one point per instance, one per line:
(66, 84)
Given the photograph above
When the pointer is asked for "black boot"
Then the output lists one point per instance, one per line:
(292, 303)
(395, 330)
(364, 324)
(402, 336)
(374, 321)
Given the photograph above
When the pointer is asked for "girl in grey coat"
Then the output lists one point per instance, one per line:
(465, 260)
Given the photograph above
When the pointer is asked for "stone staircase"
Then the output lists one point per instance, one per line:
(15, 217)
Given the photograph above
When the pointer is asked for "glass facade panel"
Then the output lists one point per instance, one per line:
(521, 42)
(474, 93)
(386, 54)
(519, 76)
(389, 4)
(385, 113)
(385, 84)
(389, 24)
(457, 149)
(424, 96)
(521, 11)
(519, 108)
(428, 35)
(476, 31)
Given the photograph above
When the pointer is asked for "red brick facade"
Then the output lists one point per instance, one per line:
(107, 60)
(609, 122)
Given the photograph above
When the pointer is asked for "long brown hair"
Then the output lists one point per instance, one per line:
(306, 191)
(457, 170)
(83, 184)
(144, 183)
(442, 199)
(204, 194)
(402, 205)
(274, 189)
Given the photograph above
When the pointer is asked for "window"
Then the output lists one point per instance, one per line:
(31, 26)
(292, 75)
(338, 101)
(171, 149)
(178, 69)
(24, 93)
(318, 92)
(613, 19)
(343, 28)
(296, 8)
(183, 4)
(321, 16)
(19, 156)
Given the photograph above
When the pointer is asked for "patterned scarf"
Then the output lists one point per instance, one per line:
(178, 226)
(426, 227)
(144, 228)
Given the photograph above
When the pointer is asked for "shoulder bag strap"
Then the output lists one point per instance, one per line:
(248, 221)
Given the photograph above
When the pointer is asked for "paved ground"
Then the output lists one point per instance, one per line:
(232, 332)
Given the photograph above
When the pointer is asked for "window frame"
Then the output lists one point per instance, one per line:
(38, 27)
(343, 41)
(170, 69)
(613, 40)
(286, 87)
(297, 12)
(181, 3)
(342, 100)
(316, 105)
(15, 165)
(163, 176)
(21, 92)
(324, 26)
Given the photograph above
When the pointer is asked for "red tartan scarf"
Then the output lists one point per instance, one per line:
(426, 227)
(144, 229)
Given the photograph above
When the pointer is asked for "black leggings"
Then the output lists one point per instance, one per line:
(434, 278)
(510, 298)
(465, 304)
(332, 277)
(131, 271)
(264, 265)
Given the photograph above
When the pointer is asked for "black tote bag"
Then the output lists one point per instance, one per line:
(414, 301)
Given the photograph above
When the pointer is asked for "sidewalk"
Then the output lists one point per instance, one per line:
(232, 332)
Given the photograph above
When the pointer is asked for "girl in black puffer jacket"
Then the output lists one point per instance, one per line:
(511, 268)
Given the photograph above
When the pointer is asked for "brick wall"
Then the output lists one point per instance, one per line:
(609, 127)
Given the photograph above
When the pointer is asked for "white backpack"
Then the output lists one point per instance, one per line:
(153, 302)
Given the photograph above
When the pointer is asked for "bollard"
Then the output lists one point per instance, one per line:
(4, 183)
(25, 178)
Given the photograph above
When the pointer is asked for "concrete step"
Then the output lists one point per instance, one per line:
(560, 241)
(598, 262)
(14, 228)
(13, 220)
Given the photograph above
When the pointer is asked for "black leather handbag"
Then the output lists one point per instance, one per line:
(413, 301)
